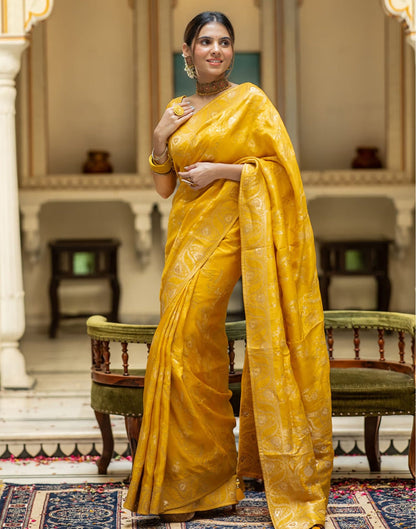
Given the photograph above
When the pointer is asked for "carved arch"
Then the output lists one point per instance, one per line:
(35, 11)
(404, 10)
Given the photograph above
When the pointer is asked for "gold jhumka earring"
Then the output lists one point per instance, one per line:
(189, 67)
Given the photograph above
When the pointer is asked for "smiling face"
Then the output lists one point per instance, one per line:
(212, 52)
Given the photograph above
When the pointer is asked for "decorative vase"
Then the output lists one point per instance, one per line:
(366, 159)
(97, 162)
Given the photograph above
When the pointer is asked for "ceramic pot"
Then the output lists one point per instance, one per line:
(366, 159)
(97, 162)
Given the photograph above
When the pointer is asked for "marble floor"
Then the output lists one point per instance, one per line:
(54, 419)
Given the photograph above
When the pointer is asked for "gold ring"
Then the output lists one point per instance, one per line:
(178, 110)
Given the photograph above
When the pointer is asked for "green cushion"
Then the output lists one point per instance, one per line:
(117, 400)
(366, 391)
(355, 391)
(362, 391)
(129, 401)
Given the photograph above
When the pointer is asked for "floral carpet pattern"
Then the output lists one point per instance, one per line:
(352, 505)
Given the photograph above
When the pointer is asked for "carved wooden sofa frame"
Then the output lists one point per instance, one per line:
(368, 387)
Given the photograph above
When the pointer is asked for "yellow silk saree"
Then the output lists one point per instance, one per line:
(186, 458)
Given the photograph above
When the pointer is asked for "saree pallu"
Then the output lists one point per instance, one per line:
(285, 418)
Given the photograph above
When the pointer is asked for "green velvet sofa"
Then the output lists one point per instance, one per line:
(368, 378)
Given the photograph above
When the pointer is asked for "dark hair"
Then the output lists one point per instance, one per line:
(194, 26)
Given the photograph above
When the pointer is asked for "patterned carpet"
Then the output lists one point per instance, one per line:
(352, 505)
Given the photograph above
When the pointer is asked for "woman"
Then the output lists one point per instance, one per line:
(239, 209)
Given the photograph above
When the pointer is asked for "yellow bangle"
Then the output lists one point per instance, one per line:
(163, 168)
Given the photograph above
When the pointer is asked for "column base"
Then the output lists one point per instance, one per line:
(12, 369)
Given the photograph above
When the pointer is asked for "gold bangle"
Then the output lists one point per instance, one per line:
(156, 158)
(163, 168)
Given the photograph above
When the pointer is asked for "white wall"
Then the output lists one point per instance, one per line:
(90, 84)
(342, 86)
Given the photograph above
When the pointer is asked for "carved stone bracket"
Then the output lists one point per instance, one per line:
(30, 228)
(143, 228)
(404, 222)
(404, 10)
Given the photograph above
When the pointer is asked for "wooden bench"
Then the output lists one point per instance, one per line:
(376, 379)
(367, 378)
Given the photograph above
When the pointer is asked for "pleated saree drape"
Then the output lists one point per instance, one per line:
(186, 458)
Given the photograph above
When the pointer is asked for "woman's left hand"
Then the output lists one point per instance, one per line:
(200, 174)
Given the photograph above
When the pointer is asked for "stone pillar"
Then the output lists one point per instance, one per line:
(12, 316)
(279, 61)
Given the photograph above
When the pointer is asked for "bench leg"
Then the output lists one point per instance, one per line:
(104, 423)
(412, 450)
(133, 425)
(371, 428)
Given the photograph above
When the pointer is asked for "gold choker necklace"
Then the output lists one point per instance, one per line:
(214, 87)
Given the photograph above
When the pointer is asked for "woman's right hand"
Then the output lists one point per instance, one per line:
(168, 123)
